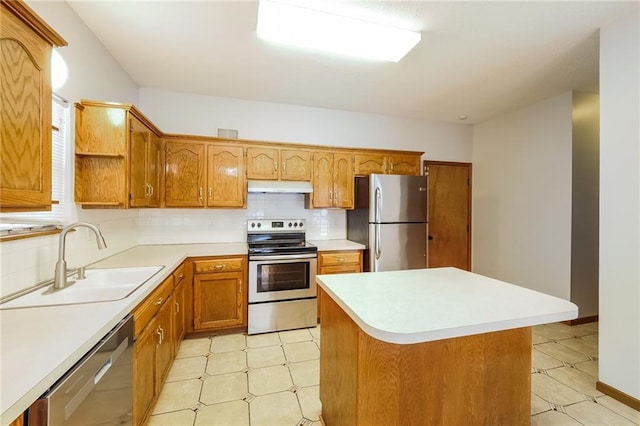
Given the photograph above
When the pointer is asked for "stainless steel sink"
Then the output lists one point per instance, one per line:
(99, 285)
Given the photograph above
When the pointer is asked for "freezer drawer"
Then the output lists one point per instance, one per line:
(398, 246)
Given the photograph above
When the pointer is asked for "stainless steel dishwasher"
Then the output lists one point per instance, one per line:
(97, 390)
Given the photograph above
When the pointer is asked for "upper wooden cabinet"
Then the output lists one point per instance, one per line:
(26, 42)
(145, 166)
(199, 174)
(184, 174)
(117, 157)
(332, 181)
(278, 164)
(367, 163)
(226, 182)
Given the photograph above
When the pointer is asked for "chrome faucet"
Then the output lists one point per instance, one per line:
(60, 278)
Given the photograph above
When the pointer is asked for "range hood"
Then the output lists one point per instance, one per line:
(279, 186)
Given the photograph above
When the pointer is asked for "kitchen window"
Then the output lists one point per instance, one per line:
(22, 225)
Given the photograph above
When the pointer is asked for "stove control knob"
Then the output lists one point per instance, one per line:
(300, 224)
(295, 224)
(259, 224)
(290, 225)
(253, 224)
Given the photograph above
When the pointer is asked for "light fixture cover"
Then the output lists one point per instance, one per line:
(318, 30)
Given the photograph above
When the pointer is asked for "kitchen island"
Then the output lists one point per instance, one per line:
(431, 346)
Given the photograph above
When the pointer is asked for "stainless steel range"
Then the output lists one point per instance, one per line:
(282, 276)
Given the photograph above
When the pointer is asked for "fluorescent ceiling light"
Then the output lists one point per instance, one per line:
(317, 30)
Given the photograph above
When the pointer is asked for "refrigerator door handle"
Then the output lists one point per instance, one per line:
(377, 242)
(377, 204)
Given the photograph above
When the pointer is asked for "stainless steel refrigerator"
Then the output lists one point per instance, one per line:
(390, 219)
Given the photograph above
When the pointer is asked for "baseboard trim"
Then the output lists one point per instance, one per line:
(618, 395)
(583, 320)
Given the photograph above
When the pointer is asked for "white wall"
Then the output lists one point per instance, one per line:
(93, 74)
(619, 357)
(203, 115)
(522, 197)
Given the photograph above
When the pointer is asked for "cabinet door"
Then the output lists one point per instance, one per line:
(370, 163)
(322, 195)
(144, 372)
(178, 315)
(226, 183)
(404, 165)
(218, 300)
(165, 348)
(25, 113)
(184, 174)
(296, 165)
(343, 181)
(262, 163)
(153, 169)
(139, 186)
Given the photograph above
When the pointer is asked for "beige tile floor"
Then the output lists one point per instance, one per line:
(273, 379)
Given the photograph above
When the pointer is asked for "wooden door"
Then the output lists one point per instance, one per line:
(184, 174)
(449, 214)
(343, 181)
(153, 169)
(404, 165)
(296, 165)
(218, 300)
(370, 163)
(322, 195)
(139, 186)
(144, 372)
(262, 163)
(25, 113)
(226, 182)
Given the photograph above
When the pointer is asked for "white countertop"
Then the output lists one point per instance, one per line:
(336, 245)
(423, 305)
(38, 345)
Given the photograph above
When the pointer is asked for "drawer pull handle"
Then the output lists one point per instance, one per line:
(177, 308)
(340, 259)
(158, 302)
(180, 276)
(159, 336)
(219, 267)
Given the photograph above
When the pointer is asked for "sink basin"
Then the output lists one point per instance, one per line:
(100, 285)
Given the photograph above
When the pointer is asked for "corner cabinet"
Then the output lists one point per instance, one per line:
(219, 293)
(199, 174)
(332, 181)
(278, 164)
(117, 157)
(26, 42)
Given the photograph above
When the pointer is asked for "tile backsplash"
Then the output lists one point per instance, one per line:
(29, 261)
(167, 226)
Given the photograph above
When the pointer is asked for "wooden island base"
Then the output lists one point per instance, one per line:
(482, 379)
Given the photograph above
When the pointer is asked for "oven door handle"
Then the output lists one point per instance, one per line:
(284, 257)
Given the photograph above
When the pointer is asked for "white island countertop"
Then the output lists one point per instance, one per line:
(423, 305)
(38, 345)
(336, 245)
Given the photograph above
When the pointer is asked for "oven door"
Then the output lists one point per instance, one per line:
(282, 277)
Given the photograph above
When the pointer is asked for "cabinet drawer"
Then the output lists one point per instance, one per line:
(339, 269)
(337, 258)
(179, 274)
(151, 305)
(219, 265)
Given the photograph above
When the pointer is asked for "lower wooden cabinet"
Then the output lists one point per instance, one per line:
(158, 332)
(179, 304)
(338, 262)
(220, 293)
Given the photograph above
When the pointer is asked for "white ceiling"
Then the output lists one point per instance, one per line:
(476, 58)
